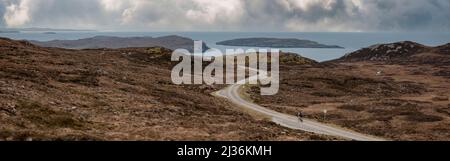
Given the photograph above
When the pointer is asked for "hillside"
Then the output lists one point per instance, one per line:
(169, 42)
(114, 94)
(397, 91)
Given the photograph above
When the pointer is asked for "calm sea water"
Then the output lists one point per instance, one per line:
(351, 41)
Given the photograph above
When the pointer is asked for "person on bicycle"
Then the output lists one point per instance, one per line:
(300, 116)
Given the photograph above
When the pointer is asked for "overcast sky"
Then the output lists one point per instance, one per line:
(230, 15)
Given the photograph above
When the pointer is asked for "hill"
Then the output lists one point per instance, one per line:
(114, 94)
(402, 52)
(397, 91)
(169, 42)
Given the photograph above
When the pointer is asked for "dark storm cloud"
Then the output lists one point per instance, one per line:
(413, 15)
(363, 15)
(226, 15)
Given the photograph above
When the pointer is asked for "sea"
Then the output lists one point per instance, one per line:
(351, 41)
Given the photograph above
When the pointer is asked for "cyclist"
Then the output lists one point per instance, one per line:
(300, 116)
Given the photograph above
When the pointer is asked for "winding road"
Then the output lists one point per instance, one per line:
(232, 94)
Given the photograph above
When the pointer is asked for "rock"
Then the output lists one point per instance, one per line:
(101, 72)
(379, 73)
(205, 87)
(9, 108)
(29, 139)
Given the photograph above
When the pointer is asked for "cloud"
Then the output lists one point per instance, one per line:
(17, 14)
(351, 15)
(113, 5)
(306, 15)
(230, 15)
(182, 15)
(216, 11)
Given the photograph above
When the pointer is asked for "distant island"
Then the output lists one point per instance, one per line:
(172, 42)
(38, 29)
(275, 43)
(8, 31)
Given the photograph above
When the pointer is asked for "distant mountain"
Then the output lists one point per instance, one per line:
(275, 43)
(402, 52)
(170, 42)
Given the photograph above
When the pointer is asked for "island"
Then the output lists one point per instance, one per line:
(38, 29)
(275, 43)
(49, 33)
(9, 32)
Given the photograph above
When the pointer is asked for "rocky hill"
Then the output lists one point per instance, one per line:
(169, 42)
(402, 52)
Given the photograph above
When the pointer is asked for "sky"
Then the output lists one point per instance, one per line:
(230, 15)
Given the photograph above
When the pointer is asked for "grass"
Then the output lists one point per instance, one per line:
(444, 111)
(87, 78)
(325, 94)
(424, 118)
(357, 108)
(156, 50)
(46, 117)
